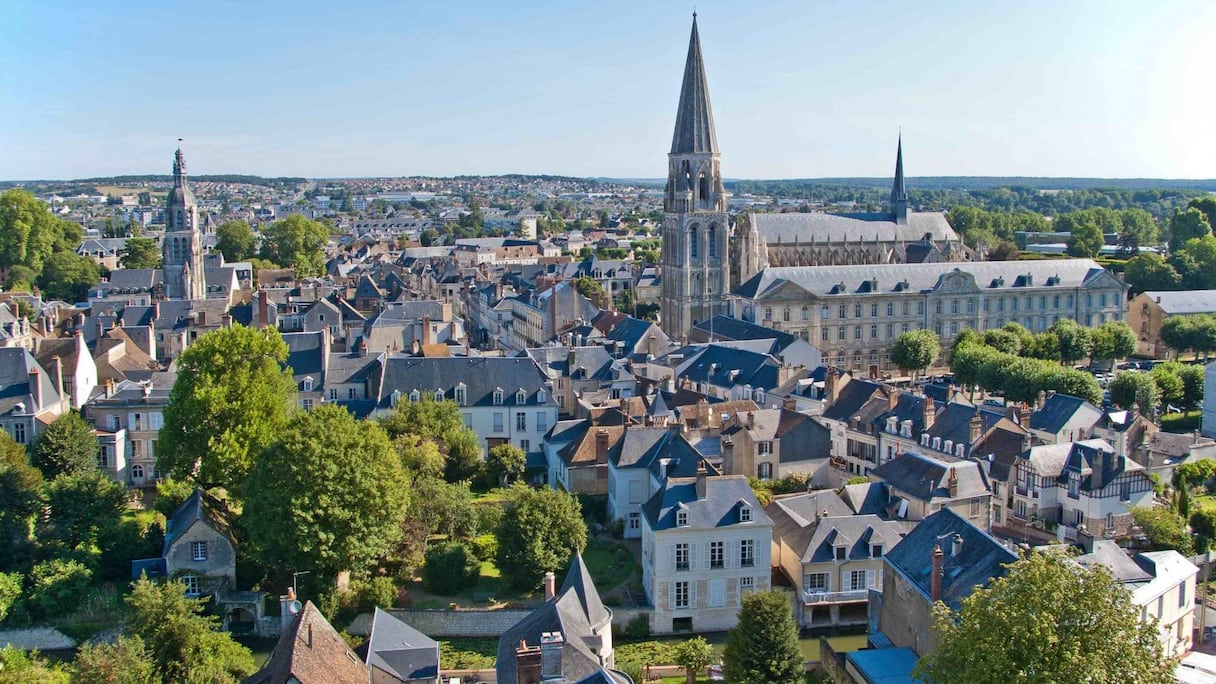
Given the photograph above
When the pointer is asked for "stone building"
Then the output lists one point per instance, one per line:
(182, 247)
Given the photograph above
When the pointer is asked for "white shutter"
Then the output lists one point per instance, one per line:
(717, 593)
(671, 552)
(694, 556)
(869, 579)
(671, 596)
(732, 553)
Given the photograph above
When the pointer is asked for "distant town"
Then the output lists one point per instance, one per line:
(528, 429)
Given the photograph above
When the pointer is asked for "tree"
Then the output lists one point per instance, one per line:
(1003, 341)
(1075, 340)
(1207, 205)
(184, 645)
(10, 591)
(236, 241)
(444, 508)
(67, 276)
(439, 422)
(1192, 377)
(58, 586)
(141, 252)
(30, 233)
(1113, 340)
(20, 501)
(505, 463)
(694, 655)
(915, 350)
(328, 496)
(1047, 620)
(763, 646)
(539, 532)
(1187, 225)
(1130, 389)
(126, 661)
(230, 400)
(19, 667)
(296, 242)
(1164, 528)
(1086, 240)
(66, 447)
(1150, 271)
(1196, 263)
(450, 568)
(1168, 382)
(83, 509)
(463, 457)
(1138, 229)
(592, 290)
(1004, 251)
(427, 237)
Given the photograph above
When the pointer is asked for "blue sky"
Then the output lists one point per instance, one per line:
(800, 88)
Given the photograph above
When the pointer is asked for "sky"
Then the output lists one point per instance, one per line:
(799, 88)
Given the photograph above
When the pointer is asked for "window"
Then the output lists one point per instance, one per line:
(113, 421)
(745, 513)
(498, 397)
(306, 404)
(873, 332)
(746, 585)
(840, 333)
(858, 580)
(717, 555)
(521, 397)
(333, 394)
(438, 396)
(937, 307)
(874, 310)
(192, 585)
(764, 471)
(681, 595)
(876, 550)
(462, 394)
(498, 422)
(920, 308)
(768, 313)
(747, 553)
(137, 448)
(693, 238)
(1074, 485)
(841, 311)
(198, 551)
(682, 556)
(806, 313)
(137, 472)
(825, 313)
(785, 314)
(954, 306)
(764, 448)
(824, 334)
(815, 582)
(857, 332)
(307, 384)
(906, 308)
(842, 553)
(681, 518)
(856, 311)
(712, 232)
(635, 521)
(521, 422)
(1182, 595)
(542, 425)
(525, 445)
(352, 393)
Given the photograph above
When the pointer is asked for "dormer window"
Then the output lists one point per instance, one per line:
(394, 398)
(949, 445)
(745, 513)
(905, 428)
(842, 553)
(960, 450)
(415, 397)
(438, 395)
(876, 550)
(308, 384)
(540, 396)
(521, 397)
(924, 439)
(498, 397)
(681, 518)
(937, 443)
(462, 394)
(891, 424)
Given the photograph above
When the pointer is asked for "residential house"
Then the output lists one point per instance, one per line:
(639, 463)
(1061, 418)
(577, 455)
(832, 556)
(70, 364)
(198, 550)
(789, 348)
(1164, 451)
(136, 410)
(396, 652)
(1125, 430)
(776, 443)
(573, 371)
(706, 543)
(730, 371)
(29, 400)
(1062, 488)
(849, 407)
(920, 484)
(310, 651)
(1148, 310)
(567, 640)
(944, 558)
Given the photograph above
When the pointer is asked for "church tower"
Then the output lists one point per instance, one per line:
(695, 261)
(899, 193)
(182, 247)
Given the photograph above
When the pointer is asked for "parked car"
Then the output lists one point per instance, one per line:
(994, 402)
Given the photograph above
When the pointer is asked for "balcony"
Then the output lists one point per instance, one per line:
(821, 597)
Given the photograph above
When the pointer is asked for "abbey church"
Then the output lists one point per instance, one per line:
(699, 265)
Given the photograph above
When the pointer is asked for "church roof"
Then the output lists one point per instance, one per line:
(694, 119)
(858, 228)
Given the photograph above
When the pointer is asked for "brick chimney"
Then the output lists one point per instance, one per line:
(929, 413)
(550, 585)
(1024, 415)
(935, 578)
(977, 428)
(527, 664)
(702, 477)
(831, 387)
(952, 483)
(426, 331)
(601, 444)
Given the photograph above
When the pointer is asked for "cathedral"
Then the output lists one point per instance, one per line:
(182, 271)
(698, 257)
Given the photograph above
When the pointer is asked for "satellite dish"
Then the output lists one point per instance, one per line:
(294, 607)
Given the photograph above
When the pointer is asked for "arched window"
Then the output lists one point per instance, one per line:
(703, 193)
(693, 239)
(137, 472)
(712, 234)
(308, 384)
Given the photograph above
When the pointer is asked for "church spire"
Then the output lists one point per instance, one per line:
(899, 192)
(694, 118)
(179, 167)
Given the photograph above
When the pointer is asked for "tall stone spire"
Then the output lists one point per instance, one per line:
(899, 192)
(179, 167)
(694, 118)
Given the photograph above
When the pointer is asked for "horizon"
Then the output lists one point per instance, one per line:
(374, 90)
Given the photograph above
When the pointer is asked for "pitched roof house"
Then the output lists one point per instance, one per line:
(310, 651)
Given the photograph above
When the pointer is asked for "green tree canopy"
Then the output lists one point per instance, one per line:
(184, 644)
(1150, 272)
(230, 401)
(439, 422)
(236, 241)
(328, 496)
(504, 463)
(1130, 389)
(296, 242)
(83, 509)
(1076, 341)
(539, 532)
(30, 233)
(694, 655)
(1113, 340)
(126, 661)
(915, 350)
(1086, 240)
(1186, 225)
(1164, 528)
(66, 447)
(67, 276)
(20, 501)
(19, 667)
(763, 646)
(141, 252)
(1048, 620)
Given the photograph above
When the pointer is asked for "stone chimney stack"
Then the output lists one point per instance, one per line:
(892, 399)
(550, 585)
(831, 389)
(426, 331)
(956, 545)
(57, 374)
(702, 477)
(1024, 416)
(551, 644)
(930, 413)
(977, 428)
(601, 444)
(935, 578)
(952, 483)
(527, 664)
(35, 390)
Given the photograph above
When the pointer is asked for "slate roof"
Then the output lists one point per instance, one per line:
(646, 447)
(802, 437)
(851, 398)
(694, 132)
(854, 228)
(306, 357)
(16, 363)
(481, 377)
(197, 507)
(865, 498)
(1058, 409)
(310, 651)
(980, 559)
(729, 367)
(400, 650)
(857, 533)
(927, 477)
(725, 495)
(730, 328)
(997, 276)
(1184, 302)
(1109, 555)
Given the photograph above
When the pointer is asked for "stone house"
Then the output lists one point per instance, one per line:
(1148, 310)
(134, 411)
(920, 484)
(638, 465)
(198, 549)
(706, 542)
(775, 443)
(29, 400)
(1062, 418)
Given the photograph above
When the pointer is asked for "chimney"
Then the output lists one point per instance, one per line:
(952, 483)
(751, 420)
(527, 664)
(956, 545)
(35, 391)
(1042, 399)
(226, 320)
(831, 389)
(263, 308)
(550, 585)
(702, 476)
(892, 399)
(551, 655)
(601, 445)
(789, 404)
(155, 310)
(1024, 416)
(99, 329)
(930, 413)
(977, 427)
(1098, 477)
(363, 347)
(426, 330)
(57, 374)
(286, 616)
(935, 579)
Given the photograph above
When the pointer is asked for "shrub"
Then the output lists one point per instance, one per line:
(636, 671)
(59, 586)
(485, 545)
(10, 592)
(488, 517)
(638, 628)
(450, 568)
(378, 591)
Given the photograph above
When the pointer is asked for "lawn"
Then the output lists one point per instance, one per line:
(609, 565)
(1181, 422)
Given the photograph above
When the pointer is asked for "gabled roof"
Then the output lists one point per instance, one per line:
(725, 327)
(400, 650)
(481, 376)
(927, 477)
(310, 651)
(980, 557)
(731, 367)
(858, 534)
(1058, 409)
(725, 495)
(197, 507)
(1184, 301)
(852, 397)
(16, 364)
